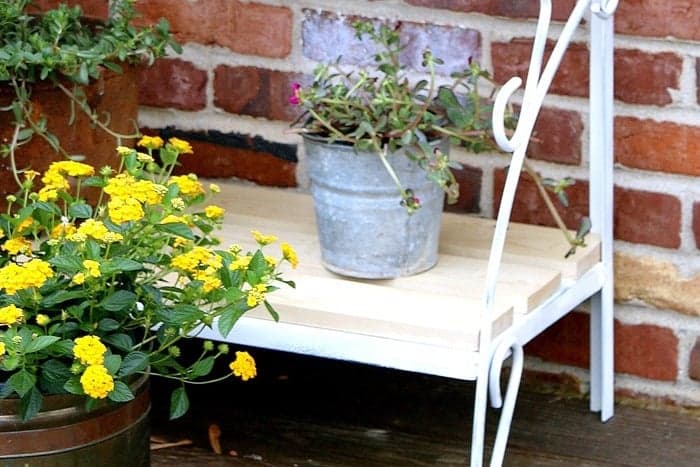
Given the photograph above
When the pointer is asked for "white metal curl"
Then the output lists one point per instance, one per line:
(604, 8)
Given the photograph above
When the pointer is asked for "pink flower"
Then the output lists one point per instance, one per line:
(294, 98)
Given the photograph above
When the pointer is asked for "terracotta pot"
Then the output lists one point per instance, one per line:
(113, 94)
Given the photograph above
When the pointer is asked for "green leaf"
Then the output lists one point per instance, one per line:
(119, 264)
(112, 363)
(61, 296)
(120, 393)
(202, 367)
(95, 181)
(120, 300)
(176, 228)
(228, 319)
(73, 386)
(108, 324)
(272, 311)
(69, 264)
(179, 403)
(41, 342)
(80, 211)
(30, 404)
(53, 376)
(584, 228)
(22, 382)
(119, 341)
(51, 208)
(133, 362)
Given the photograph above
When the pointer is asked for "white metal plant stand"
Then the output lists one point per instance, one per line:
(488, 296)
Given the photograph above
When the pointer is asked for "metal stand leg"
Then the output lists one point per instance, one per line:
(490, 383)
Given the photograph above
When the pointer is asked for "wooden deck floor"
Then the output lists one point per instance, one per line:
(304, 411)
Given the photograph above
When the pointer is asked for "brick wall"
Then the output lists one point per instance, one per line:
(228, 93)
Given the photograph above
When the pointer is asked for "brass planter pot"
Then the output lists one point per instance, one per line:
(64, 434)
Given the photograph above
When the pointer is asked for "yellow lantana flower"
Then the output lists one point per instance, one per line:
(42, 320)
(214, 212)
(17, 245)
(125, 210)
(243, 366)
(256, 295)
(289, 254)
(89, 350)
(182, 147)
(151, 142)
(263, 239)
(72, 168)
(92, 267)
(15, 277)
(188, 184)
(10, 315)
(2, 349)
(97, 382)
(78, 279)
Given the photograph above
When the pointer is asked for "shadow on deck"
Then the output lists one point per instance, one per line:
(304, 411)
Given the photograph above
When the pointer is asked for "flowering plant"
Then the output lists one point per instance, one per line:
(384, 112)
(93, 294)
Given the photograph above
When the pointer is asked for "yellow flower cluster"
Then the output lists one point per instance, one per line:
(54, 178)
(89, 350)
(202, 264)
(10, 315)
(127, 195)
(188, 184)
(17, 245)
(2, 349)
(256, 295)
(173, 219)
(151, 142)
(42, 320)
(181, 146)
(214, 212)
(289, 254)
(263, 239)
(243, 366)
(92, 269)
(63, 230)
(14, 277)
(97, 382)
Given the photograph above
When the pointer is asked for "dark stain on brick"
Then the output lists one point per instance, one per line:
(287, 152)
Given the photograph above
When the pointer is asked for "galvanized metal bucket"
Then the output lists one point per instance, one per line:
(63, 434)
(363, 229)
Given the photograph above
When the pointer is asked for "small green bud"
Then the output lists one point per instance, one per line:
(223, 348)
(76, 368)
(174, 351)
(11, 198)
(207, 320)
(208, 346)
(106, 171)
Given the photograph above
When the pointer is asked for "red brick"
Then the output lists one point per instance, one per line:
(513, 9)
(528, 206)
(327, 37)
(644, 78)
(97, 9)
(567, 341)
(694, 362)
(696, 224)
(225, 155)
(647, 217)
(513, 58)
(557, 137)
(244, 27)
(173, 83)
(659, 146)
(677, 18)
(639, 216)
(469, 179)
(257, 92)
(644, 350)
